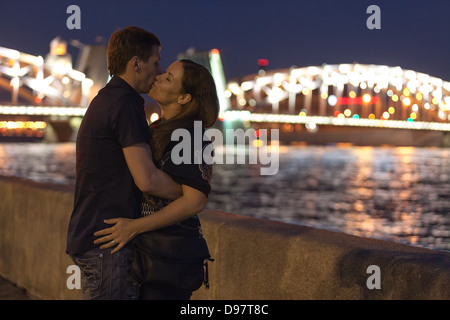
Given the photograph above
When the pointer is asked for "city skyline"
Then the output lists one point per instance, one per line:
(413, 34)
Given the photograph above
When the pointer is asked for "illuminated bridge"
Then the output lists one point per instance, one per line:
(350, 103)
(44, 96)
(355, 103)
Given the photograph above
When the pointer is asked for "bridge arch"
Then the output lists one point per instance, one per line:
(355, 91)
(36, 80)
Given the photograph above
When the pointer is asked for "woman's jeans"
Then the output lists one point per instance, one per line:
(106, 276)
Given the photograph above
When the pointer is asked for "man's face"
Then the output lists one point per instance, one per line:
(149, 70)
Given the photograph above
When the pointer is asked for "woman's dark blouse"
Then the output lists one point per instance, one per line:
(196, 174)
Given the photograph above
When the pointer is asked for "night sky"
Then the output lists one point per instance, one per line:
(414, 34)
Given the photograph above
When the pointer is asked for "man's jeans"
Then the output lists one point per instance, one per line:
(106, 276)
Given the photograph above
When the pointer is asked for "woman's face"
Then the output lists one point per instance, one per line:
(167, 88)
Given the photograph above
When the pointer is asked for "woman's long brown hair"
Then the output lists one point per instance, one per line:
(204, 106)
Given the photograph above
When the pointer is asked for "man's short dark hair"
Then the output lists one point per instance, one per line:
(126, 43)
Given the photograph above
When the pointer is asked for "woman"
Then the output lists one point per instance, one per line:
(186, 93)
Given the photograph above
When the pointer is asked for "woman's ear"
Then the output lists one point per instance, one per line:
(184, 98)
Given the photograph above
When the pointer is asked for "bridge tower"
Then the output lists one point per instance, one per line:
(212, 61)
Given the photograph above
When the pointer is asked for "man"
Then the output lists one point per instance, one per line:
(114, 164)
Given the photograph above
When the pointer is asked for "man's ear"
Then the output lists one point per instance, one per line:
(135, 63)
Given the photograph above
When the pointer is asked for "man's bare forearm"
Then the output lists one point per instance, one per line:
(162, 185)
(147, 176)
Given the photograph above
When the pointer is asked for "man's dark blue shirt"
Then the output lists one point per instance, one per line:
(105, 188)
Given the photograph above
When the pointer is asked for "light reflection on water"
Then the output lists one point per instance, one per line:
(396, 194)
(38, 161)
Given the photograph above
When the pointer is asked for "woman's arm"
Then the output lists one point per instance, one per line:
(123, 230)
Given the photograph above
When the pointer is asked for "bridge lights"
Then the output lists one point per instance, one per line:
(234, 88)
(275, 95)
(305, 91)
(406, 101)
(311, 126)
(366, 98)
(247, 85)
(262, 64)
(332, 100)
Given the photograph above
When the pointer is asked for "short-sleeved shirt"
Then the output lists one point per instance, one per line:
(195, 173)
(105, 188)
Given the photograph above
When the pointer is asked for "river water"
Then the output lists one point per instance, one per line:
(395, 194)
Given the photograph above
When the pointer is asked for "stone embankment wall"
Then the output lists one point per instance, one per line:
(254, 259)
